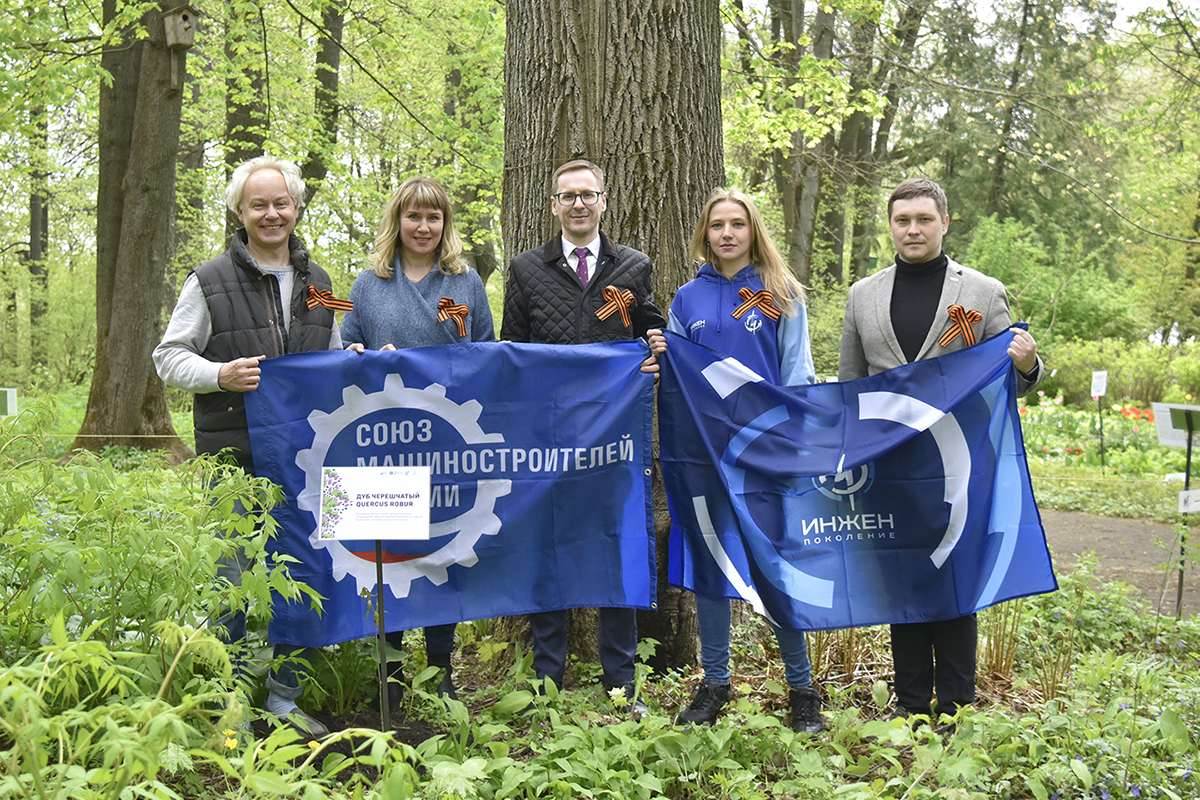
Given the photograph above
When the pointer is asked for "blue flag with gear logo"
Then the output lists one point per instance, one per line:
(902, 497)
(540, 468)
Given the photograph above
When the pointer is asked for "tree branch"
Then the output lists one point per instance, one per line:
(1020, 151)
(382, 86)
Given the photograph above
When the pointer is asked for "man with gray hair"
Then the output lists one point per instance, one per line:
(262, 297)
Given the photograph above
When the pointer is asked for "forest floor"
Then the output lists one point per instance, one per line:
(1127, 550)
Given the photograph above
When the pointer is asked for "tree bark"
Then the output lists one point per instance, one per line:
(325, 97)
(635, 89)
(798, 172)
(139, 142)
(996, 192)
(39, 221)
(877, 156)
(245, 106)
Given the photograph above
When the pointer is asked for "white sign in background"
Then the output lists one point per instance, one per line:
(1168, 434)
(374, 503)
(1100, 383)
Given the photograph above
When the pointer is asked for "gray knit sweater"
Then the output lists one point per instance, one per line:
(402, 313)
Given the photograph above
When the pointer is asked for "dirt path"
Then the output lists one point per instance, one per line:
(1133, 551)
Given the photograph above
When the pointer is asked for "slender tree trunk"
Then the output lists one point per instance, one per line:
(637, 91)
(996, 192)
(30, 344)
(39, 218)
(810, 160)
(246, 105)
(139, 142)
(867, 183)
(838, 194)
(325, 97)
(1192, 269)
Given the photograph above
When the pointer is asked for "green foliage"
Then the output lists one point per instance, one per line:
(826, 312)
(1140, 372)
(1062, 296)
(124, 693)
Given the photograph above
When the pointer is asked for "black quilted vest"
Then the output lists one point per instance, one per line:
(247, 320)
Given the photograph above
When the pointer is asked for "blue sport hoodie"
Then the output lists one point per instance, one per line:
(778, 350)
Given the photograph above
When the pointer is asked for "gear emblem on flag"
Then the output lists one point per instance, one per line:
(453, 540)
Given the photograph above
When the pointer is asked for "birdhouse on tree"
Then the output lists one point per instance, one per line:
(179, 25)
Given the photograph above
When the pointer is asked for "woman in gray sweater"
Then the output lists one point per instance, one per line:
(419, 292)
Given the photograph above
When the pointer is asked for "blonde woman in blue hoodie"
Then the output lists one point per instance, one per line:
(745, 303)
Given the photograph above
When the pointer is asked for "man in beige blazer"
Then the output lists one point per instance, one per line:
(926, 305)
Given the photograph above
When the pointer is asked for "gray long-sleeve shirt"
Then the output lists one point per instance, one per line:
(177, 357)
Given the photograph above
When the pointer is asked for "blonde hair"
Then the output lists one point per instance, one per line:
(767, 261)
(416, 192)
(571, 166)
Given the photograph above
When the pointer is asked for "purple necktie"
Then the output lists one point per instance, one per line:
(581, 268)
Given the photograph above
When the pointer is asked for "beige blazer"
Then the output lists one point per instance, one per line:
(869, 344)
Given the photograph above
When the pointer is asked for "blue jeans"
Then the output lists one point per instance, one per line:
(715, 618)
(284, 679)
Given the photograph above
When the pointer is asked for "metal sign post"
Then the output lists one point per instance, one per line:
(1099, 389)
(377, 503)
(1175, 425)
(381, 635)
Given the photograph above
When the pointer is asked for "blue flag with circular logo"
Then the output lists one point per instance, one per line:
(902, 497)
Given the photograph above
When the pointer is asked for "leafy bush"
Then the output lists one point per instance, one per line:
(114, 687)
(1059, 287)
(1139, 372)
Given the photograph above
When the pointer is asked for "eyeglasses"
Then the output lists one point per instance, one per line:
(568, 198)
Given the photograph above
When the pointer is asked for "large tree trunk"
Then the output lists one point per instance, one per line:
(636, 89)
(135, 200)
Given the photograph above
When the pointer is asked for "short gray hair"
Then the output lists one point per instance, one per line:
(288, 169)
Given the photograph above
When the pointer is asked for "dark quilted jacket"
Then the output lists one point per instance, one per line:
(545, 303)
(246, 313)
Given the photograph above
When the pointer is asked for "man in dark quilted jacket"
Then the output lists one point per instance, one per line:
(566, 291)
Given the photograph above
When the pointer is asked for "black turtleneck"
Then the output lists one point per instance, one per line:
(915, 296)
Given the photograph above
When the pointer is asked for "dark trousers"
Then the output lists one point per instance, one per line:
(439, 643)
(915, 649)
(617, 640)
